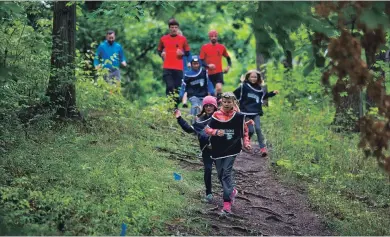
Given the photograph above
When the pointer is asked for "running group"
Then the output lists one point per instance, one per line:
(223, 122)
(226, 121)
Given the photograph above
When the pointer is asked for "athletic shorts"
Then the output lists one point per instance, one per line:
(216, 78)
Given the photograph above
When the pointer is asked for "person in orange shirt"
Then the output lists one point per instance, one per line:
(211, 56)
(172, 48)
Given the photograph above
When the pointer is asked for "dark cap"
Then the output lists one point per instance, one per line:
(172, 22)
(194, 59)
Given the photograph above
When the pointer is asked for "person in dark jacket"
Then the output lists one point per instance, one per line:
(228, 133)
(251, 95)
(196, 88)
(209, 106)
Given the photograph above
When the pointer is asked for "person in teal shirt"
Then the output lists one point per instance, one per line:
(110, 55)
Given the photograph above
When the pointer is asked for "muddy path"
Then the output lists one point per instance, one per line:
(264, 206)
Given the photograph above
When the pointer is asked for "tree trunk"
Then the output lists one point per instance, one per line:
(288, 63)
(93, 5)
(370, 60)
(259, 62)
(371, 46)
(61, 89)
(347, 111)
(316, 40)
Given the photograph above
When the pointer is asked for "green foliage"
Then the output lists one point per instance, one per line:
(24, 68)
(143, 76)
(375, 16)
(350, 191)
(77, 180)
(86, 179)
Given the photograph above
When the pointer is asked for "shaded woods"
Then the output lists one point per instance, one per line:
(80, 156)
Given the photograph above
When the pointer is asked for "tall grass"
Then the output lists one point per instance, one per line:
(347, 188)
(88, 179)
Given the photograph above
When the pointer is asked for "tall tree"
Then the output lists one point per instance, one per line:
(61, 89)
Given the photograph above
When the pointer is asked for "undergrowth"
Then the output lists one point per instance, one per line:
(349, 190)
(89, 178)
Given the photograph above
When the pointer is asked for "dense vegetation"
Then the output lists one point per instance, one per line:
(84, 164)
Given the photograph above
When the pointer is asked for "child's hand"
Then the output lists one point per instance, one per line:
(177, 113)
(211, 66)
(220, 133)
(276, 92)
(250, 122)
(249, 147)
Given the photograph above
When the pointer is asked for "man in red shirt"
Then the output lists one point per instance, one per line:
(175, 46)
(211, 56)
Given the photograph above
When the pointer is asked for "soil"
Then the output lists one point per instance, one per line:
(264, 206)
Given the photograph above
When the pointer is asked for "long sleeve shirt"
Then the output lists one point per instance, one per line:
(225, 116)
(110, 56)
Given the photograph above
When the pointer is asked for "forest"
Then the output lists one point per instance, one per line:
(80, 156)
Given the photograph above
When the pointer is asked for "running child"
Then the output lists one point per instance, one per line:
(183, 96)
(208, 108)
(196, 88)
(228, 132)
(250, 95)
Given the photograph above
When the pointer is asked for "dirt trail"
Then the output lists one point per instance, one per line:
(264, 206)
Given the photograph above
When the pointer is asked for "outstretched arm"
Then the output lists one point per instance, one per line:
(270, 94)
(183, 124)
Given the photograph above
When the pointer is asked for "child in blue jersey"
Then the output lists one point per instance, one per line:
(196, 88)
(184, 96)
(251, 95)
(208, 108)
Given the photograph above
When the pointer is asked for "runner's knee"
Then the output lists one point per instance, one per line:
(218, 87)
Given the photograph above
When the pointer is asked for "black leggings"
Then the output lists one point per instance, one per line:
(208, 167)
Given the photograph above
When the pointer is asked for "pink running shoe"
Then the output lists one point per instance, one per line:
(233, 195)
(227, 208)
(263, 152)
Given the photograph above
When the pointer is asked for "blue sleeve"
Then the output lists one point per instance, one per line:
(121, 54)
(237, 92)
(186, 59)
(185, 83)
(182, 90)
(185, 126)
(210, 86)
(189, 57)
(269, 95)
(96, 60)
